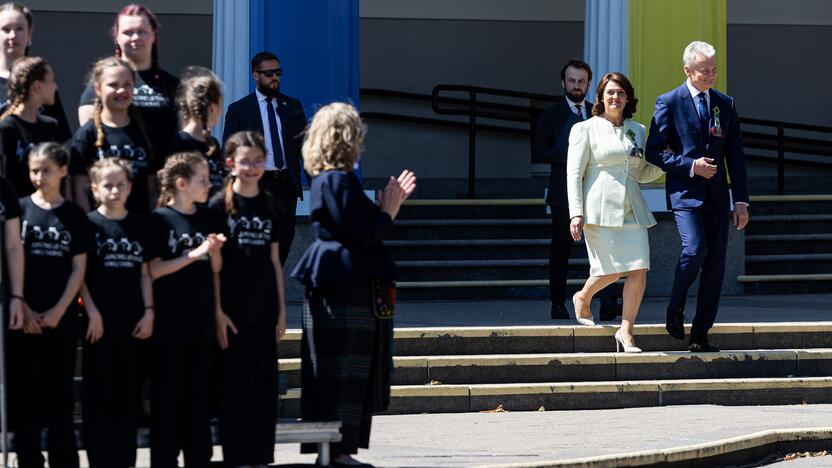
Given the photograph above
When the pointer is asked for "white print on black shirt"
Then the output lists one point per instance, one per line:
(120, 253)
(185, 242)
(48, 243)
(22, 152)
(146, 97)
(138, 156)
(254, 231)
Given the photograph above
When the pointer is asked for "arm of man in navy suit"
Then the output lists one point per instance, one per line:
(658, 150)
(232, 123)
(544, 139)
(735, 158)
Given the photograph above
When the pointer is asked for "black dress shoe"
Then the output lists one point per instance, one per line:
(675, 324)
(610, 309)
(559, 312)
(702, 346)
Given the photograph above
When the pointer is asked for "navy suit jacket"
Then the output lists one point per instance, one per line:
(244, 115)
(546, 148)
(678, 137)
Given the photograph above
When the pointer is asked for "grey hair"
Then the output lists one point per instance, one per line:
(695, 49)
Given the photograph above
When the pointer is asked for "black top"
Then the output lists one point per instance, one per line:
(184, 300)
(9, 209)
(17, 138)
(249, 291)
(154, 95)
(56, 110)
(550, 144)
(125, 142)
(114, 270)
(184, 141)
(349, 229)
(51, 238)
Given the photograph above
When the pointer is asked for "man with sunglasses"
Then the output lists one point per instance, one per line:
(281, 120)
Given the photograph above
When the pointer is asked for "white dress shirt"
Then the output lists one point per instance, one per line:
(262, 100)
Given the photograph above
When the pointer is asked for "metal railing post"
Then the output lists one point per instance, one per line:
(781, 161)
(472, 143)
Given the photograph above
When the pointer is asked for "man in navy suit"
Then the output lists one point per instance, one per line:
(281, 121)
(695, 138)
(550, 144)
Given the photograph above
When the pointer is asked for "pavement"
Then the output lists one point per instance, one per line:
(733, 309)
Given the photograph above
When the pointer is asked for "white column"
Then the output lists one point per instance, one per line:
(606, 38)
(231, 61)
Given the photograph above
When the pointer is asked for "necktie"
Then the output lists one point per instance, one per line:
(704, 116)
(579, 111)
(276, 148)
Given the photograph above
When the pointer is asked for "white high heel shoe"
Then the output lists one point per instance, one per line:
(583, 321)
(619, 343)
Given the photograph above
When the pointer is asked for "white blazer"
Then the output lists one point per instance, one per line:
(601, 173)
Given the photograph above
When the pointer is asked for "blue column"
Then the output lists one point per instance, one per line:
(317, 43)
(230, 50)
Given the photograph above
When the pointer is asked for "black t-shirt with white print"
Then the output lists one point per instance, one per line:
(249, 288)
(184, 141)
(114, 270)
(51, 239)
(126, 143)
(17, 138)
(184, 299)
(154, 96)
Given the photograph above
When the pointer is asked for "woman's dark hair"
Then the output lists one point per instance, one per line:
(137, 9)
(620, 79)
(53, 151)
(25, 71)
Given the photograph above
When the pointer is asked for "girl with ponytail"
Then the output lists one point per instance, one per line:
(115, 131)
(31, 85)
(253, 315)
(199, 100)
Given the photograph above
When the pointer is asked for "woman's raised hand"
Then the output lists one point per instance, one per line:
(396, 192)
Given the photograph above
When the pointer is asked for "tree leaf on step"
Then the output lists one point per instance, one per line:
(498, 409)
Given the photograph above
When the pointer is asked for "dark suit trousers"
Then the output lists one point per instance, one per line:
(704, 233)
(559, 254)
(279, 184)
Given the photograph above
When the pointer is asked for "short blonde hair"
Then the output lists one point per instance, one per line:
(334, 139)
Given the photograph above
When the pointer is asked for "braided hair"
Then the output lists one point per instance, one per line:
(178, 165)
(194, 98)
(25, 71)
(95, 78)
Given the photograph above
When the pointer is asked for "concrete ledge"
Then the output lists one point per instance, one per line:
(732, 451)
(789, 198)
(476, 202)
(784, 278)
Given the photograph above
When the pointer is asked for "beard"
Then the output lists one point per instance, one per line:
(576, 95)
(267, 90)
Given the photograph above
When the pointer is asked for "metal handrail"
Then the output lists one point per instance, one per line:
(473, 107)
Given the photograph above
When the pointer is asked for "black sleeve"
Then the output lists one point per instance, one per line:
(82, 237)
(155, 227)
(11, 205)
(216, 206)
(81, 151)
(143, 235)
(231, 124)
(56, 111)
(360, 220)
(544, 140)
(87, 96)
(8, 142)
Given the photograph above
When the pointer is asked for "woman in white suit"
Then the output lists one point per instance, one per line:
(604, 167)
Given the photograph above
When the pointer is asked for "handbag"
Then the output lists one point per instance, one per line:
(384, 298)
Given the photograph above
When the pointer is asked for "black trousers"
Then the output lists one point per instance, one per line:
(279, 185)
(248, 396)
(111, 402)
(181, 404)
(45, 399)
(559, 254)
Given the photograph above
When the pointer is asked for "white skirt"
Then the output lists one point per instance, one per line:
(617, 249)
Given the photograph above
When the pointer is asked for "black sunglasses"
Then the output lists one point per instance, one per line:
(272, 72)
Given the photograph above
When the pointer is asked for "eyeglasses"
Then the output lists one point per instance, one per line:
(251, 164)
(272, 72)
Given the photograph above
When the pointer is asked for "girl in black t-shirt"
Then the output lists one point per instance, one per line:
(252, 306)
(31, 85)
(185, 265)
(118, 299)
(116, 130)
(135, 35)
(56, 240)
(199, 100)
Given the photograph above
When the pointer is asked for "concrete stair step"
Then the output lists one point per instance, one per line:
(481, 270)
(481, 289)
(787, 283)
(592, 367)
(473, 209)
(791, 224)
(530, 228)
(790, 204)
(781, 244)
(414, 399)
(789, 264)
(438, 341)
(475, 249)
